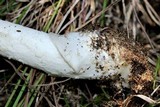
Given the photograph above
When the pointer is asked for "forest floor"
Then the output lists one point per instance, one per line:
(140, 19)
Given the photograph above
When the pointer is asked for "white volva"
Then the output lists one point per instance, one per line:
(70, 55)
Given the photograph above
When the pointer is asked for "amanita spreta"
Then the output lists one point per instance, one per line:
(85, 55)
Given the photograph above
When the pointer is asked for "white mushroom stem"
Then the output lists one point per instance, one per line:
(75, 55)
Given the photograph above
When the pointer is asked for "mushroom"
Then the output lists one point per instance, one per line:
(85, 55)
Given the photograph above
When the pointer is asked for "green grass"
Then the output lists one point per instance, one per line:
(17, 97)
(102, 18)
(22, 15)
(48, 24)
(13, 94)
(8, 7)
(156, 73)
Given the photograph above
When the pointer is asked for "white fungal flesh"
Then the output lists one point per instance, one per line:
(71, 55)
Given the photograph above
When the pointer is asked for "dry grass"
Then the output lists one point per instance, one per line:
(139, 18)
